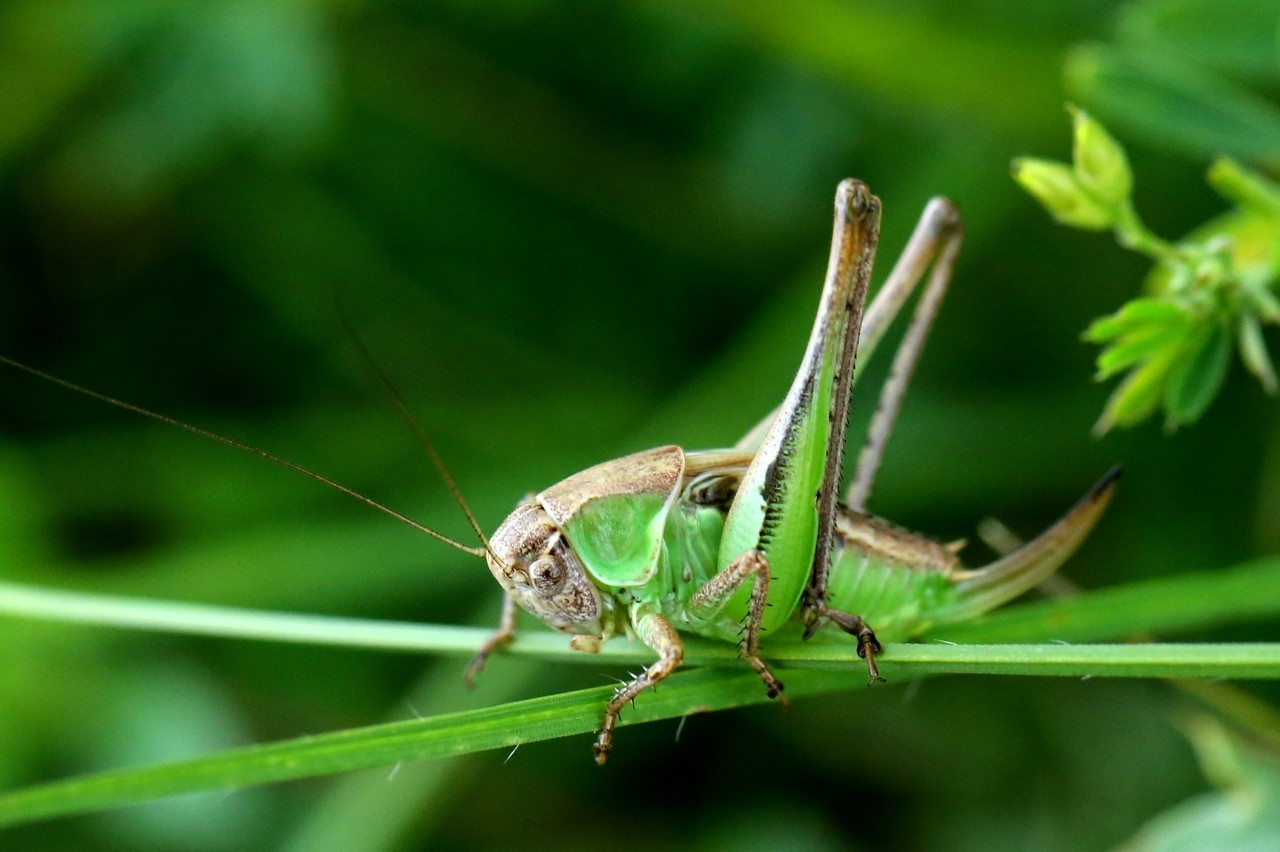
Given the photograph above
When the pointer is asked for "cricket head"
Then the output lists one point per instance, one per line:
(532, 561)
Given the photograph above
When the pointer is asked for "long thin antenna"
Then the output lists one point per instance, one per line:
(231, 442)
(406, 415)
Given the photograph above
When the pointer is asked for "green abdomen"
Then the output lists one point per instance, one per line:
(894, 579)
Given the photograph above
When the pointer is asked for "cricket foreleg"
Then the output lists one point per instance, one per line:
(868, 645)
(657, 633)
(751, 567)
(497, 640)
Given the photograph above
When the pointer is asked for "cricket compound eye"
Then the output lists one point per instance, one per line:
(547, 574)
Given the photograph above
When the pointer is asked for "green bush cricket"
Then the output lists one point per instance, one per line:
(733, 543)
(665, 540)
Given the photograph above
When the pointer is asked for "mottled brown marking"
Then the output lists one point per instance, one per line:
(725, 462)
(893, 543)
(656, 471)
(571, 603)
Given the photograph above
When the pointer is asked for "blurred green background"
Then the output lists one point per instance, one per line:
(568, 231)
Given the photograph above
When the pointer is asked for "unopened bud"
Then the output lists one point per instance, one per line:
(1056, 187)
(1100, 162)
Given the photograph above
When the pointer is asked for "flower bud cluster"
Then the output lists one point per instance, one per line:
(1093, 191)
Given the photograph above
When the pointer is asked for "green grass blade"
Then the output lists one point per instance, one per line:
(1181, 602)
(232, 622)
(576, 713)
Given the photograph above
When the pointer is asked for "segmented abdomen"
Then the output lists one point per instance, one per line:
(891, 577)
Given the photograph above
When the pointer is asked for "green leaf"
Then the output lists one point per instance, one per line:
(1134, 315)
(1138, 395)
(1233, 36)
(1244, 186)
(1140, 344)
(1197, 376)
(1244, 813)
(1253, 351)
(1266, 304)
(1173, 103)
